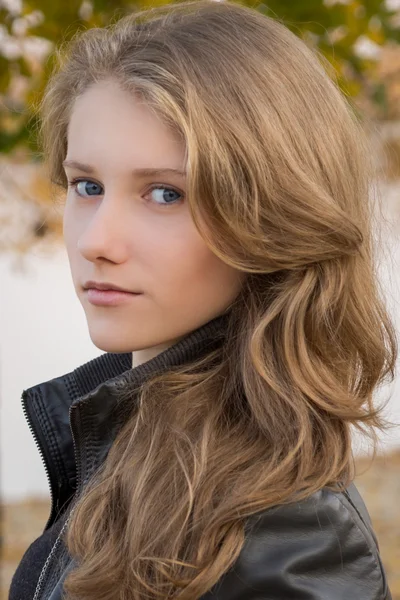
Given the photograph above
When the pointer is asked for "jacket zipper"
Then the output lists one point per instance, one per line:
(45, 568)
(40, 449)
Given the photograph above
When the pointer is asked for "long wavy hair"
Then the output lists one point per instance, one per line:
(279, 181)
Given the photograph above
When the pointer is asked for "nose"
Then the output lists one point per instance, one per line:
(105, 235)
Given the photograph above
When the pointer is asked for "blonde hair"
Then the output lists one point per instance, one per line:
(278, 185)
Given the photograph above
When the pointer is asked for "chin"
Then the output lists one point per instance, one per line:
(109, 343)
(112, 339)
(107, 346)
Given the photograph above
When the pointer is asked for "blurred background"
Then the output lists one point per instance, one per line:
(43, 331)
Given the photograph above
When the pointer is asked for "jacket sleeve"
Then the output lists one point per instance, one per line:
(317, 549)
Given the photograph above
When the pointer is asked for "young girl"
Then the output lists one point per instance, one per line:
(207, 452)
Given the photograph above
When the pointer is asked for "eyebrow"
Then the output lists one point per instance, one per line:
(145, 172)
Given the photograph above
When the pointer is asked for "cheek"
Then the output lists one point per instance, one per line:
(71, 233)
(69, 226)
(193, 272)
(76, 220)
(67, 231)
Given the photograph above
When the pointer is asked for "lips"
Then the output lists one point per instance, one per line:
(106, 286)
(109, 297)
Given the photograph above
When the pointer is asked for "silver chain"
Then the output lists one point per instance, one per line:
(52, 551)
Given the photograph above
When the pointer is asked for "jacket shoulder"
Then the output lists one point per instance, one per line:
(320, 547)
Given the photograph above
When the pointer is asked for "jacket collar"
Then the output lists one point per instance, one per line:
(75, 417)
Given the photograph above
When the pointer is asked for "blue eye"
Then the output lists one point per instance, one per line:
(85, 187)
(167, 195)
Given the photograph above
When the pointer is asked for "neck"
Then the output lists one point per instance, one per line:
(141, 356)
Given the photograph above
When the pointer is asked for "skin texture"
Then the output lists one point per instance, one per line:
(123, 232)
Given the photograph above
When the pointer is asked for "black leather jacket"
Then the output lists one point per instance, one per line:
(322, 548)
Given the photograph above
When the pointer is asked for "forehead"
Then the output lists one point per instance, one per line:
(109, 122)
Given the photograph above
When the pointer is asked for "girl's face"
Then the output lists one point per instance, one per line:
(132, 228)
